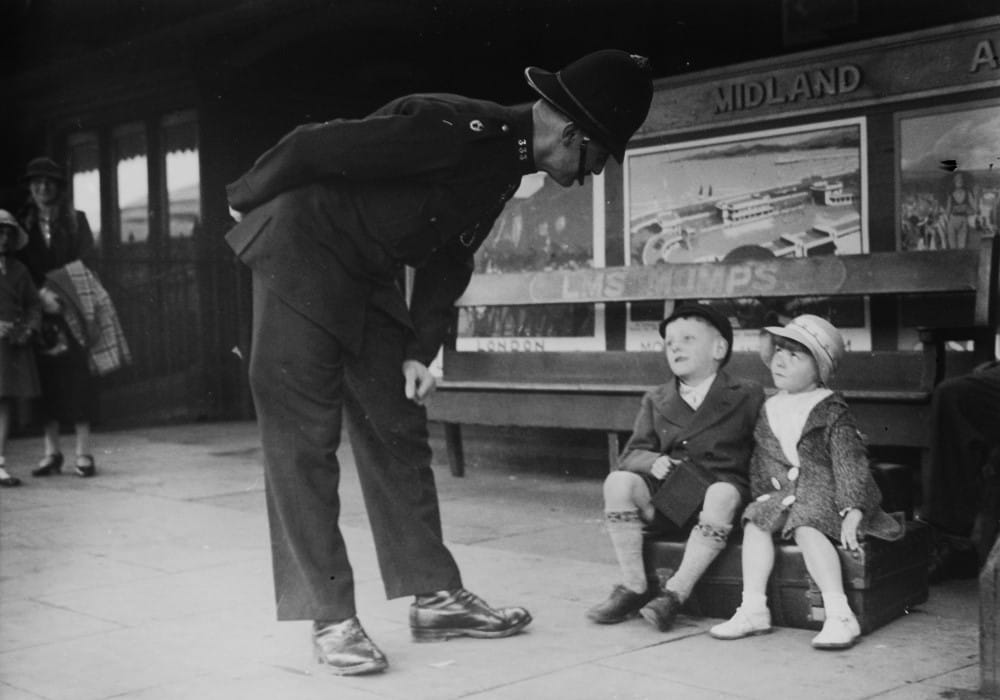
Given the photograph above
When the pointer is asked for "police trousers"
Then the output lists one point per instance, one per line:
(303, 386)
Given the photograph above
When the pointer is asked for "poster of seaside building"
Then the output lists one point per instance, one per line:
(792, 192)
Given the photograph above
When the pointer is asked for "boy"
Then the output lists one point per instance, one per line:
(701, 415)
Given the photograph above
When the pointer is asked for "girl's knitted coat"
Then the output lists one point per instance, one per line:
(833, 475)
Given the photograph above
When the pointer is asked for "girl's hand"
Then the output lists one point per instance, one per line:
(849, 529)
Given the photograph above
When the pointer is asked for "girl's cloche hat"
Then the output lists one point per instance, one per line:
(818, 335)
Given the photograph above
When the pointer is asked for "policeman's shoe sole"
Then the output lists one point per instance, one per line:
(443, 634)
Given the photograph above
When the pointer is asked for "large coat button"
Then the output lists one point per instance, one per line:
(775, 483)
(788, 500)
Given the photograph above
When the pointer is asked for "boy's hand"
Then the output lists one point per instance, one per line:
(662, 466)
(849, 529)
(420, 383)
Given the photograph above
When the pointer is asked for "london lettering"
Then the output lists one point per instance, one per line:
(808, 85)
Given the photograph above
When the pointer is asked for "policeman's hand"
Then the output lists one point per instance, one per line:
(237, 216)
(420, 383)
(661, 466)
(849, 529)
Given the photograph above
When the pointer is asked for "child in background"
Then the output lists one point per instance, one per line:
(20, 318)
(811, 481)
(702, 415)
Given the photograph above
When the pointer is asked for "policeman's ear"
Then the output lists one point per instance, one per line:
(569, 134)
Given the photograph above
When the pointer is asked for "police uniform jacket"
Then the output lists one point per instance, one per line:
(718, 436)
(336, 209)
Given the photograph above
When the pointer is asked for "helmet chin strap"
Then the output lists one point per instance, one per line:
(581, 168)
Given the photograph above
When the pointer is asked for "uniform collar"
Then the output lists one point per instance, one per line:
(523, 127)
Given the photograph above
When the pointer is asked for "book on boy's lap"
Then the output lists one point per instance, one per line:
(682, 492)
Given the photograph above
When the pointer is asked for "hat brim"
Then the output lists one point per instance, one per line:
(548, 87)
(28, 177)
(823, 364)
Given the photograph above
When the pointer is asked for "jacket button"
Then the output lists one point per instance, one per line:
(764, 497)
(788, 500)
(775, 483)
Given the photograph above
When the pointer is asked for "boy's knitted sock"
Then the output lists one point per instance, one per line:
(703, 546)
(836, 605)
(625, 530)
(754, 602)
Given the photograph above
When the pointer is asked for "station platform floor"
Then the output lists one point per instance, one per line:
(152, 581)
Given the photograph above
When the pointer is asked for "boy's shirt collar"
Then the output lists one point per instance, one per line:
(694, 395)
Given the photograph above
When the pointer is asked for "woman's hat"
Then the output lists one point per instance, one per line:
(706, 313)
(818, 335)
(606, 93)
(44, 167)
(7, 219)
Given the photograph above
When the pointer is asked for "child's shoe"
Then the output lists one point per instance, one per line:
(743, 624)
(839, 632)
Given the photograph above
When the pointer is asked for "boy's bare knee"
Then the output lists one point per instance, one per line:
(620, 489)
(722, 501)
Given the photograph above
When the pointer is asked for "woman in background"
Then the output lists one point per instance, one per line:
(58, 235)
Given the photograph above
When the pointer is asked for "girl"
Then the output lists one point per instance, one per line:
(810, 479)
(20, 317)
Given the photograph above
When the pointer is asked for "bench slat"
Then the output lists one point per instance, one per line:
(917, 272)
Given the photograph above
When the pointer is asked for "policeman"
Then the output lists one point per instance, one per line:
(328, 218)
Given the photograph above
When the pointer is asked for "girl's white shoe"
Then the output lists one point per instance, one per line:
(839, 632)
(743, 624)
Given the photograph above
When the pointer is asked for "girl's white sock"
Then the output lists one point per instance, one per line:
(754, 602)
(836, 605)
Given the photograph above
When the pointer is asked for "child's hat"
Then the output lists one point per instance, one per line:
(820, 337)
(707, 313)
(7, 219)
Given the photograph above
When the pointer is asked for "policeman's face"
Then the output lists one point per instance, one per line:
(565, 167)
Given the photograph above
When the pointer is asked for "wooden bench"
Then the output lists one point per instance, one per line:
(889, 391)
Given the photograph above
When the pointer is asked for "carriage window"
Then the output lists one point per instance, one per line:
(180, 145)
(86, 179)
(132, 182)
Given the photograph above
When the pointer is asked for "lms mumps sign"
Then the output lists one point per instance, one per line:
(684, 281)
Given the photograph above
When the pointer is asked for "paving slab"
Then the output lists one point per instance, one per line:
(153, 581)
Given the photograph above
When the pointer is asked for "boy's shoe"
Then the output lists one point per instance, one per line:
(662, 610)
(9, 481)
(743, 624)
(345, 649)
(459, 613)
(839, 632)
(622, 604)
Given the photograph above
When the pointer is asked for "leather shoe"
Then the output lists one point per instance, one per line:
(459, 613)
(9, 481)
(88, 468)
(50, 464)
(662, 610)
(622, 604)
(345, 649)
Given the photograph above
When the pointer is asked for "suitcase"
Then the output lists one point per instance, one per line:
(882, 581)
